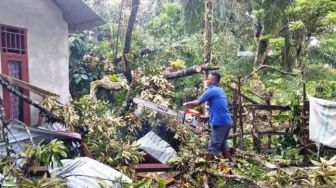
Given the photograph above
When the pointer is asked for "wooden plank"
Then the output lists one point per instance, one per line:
(27, 86)
(267, 107)
(240, 106)
(38, 171)
(152, 167)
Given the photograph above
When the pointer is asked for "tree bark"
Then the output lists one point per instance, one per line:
(208, 30)
(287, 54)
(261, 52)
(189, 71)
(130, 25)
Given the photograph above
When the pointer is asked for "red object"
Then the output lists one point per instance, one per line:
(14, 62)
(85, 150)
(192, 112)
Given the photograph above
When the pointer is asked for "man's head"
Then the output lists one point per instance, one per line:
(213, 78)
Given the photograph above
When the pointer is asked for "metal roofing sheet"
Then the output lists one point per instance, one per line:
(78, 15)
(19, 136)
(156, 147)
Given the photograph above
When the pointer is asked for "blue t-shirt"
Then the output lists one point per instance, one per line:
(219, 114)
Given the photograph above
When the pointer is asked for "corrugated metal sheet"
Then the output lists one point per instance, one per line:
(78, 15)
(156, 147)
(19, 136)
(86, 172)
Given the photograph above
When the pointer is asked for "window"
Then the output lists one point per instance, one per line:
(13, 40)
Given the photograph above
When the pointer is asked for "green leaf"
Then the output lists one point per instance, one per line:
(297, 25)
(84, 77)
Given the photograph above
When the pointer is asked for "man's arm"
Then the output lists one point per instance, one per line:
(192, 104)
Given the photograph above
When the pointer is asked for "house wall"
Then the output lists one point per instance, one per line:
(48, 53)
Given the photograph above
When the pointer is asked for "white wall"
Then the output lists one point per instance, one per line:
(48, 54)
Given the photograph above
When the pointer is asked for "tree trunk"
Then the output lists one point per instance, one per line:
(189, 71)
(207, 53)
(261, 52)
(130, 25)
(118, 30)
(288, 52)
(128, 39)
(208, 30)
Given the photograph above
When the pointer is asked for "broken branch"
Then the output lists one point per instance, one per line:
(269, 67)
(234, 177)
(189, 71)
(105, 83)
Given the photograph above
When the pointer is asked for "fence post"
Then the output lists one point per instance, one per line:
(304, 108)
(240, 109)
(235, 117)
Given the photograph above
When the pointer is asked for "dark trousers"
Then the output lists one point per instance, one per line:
(218, 137)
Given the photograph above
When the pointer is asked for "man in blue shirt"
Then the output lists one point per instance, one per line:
(219, 116)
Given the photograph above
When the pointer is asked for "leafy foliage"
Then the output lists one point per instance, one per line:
(323, 173)
(322, 89)
(43, 182)
(177, 65)
(52, 153)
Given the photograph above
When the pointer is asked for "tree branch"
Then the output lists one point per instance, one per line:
(269, 67)
(241, 179)
(105, 83)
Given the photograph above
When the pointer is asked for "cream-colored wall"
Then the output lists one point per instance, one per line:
(48, 53)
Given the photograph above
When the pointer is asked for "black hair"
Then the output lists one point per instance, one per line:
(216, 75)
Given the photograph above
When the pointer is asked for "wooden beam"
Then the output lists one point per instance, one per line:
(24, 85)
(152, 167)
(189, 71)
(268, 107)
(28, 100)
(38, 171)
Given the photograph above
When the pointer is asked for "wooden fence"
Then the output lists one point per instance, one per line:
(259, 119)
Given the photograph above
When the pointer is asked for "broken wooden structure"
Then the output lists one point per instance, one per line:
(10, 84)
(246, 109)
(251, 111)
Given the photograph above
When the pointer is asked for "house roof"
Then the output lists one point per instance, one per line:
(78, 15)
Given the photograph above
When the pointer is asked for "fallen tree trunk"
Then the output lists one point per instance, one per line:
(189, 71)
